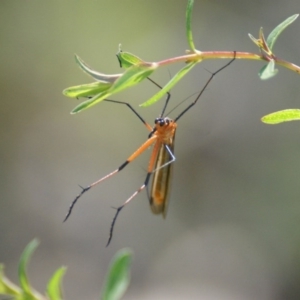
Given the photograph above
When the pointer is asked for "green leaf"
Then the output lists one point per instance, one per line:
(268, 71)
(282, 116)
(6, 286)
(127, 59)
(278, 29)
(54, 285)
(254, 40)
(85, 90)
(170, 84)
(118, 277)
(96, 75)
(132, 76)
(27, 292)
(91, 102)
(188, 17)
(25, 257)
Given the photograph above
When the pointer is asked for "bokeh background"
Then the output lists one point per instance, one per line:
(233, 224)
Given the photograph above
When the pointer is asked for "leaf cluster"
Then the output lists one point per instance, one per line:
(136, 69)
(117, 279)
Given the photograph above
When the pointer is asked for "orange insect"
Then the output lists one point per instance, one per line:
(162, 138)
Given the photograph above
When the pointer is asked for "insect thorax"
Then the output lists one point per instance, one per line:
(164, 128)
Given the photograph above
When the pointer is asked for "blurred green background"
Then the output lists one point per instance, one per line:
(232, 230)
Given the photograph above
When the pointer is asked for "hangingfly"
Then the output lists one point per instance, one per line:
(161, 137)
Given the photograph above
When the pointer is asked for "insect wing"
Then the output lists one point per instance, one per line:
(161, 182)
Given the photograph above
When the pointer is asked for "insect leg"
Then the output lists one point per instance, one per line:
(205, 86)
(133, 110)
(145, 184)
(139, 151)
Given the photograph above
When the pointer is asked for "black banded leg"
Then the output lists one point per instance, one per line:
(133, 110)
(205, 86)
(92, 185)
(126, 202)
(132, 157)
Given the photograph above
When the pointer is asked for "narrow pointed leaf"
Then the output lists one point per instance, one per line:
(54, 290)
(6, 286)
(91, 102)
(268, 71)
(263, 42)
(85, 90)
(282, 116)
(118, 277)
(25, 257)
(278, 29)
(170, 84)
(188, 18)
(96, 75)
(127, 59)
(254, 40)
(132, 76)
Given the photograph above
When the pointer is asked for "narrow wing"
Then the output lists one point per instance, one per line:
(161, 182)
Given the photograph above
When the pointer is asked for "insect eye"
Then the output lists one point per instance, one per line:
(162, 122)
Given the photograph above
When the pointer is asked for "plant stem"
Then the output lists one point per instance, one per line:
(226, 54)
(287, 65)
